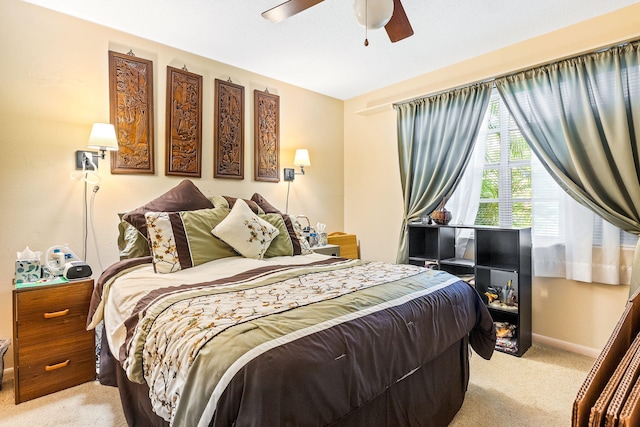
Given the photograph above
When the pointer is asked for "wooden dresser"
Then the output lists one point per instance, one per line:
(52, 348)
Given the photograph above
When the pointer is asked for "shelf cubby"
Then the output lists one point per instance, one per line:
(497, 257)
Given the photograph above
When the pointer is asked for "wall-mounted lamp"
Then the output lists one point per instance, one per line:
(103, 138)
(301, 159)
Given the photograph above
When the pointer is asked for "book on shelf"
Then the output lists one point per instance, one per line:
(506, 337)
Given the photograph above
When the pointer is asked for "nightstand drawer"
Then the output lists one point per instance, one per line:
(49, 368)
(46, 313)
(53, 352)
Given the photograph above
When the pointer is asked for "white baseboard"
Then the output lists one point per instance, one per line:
(574, 348)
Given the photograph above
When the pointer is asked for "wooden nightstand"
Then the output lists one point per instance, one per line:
(52, 348)
(333, 250)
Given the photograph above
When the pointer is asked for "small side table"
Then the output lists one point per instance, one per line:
(52, 349)
(4, 346)
(329, 249)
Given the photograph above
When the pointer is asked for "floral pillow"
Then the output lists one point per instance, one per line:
(305, 248)
(298, 239)
(180, 240)
(245, 231)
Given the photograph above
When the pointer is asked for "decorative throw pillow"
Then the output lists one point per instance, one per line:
(305, 248)
(281, 245)
(183, 197)
(228, 202)
(245, 231)
(180, 240)
(131, 243)
(264, 204)
(298, 240)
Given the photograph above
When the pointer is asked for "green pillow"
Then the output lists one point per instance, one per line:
(131, 243)
(281, 245)
(181, 240)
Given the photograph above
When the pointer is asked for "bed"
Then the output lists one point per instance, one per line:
(268, 333)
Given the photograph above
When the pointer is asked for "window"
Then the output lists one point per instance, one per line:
(505, 196)
(509, 183)
(506, 185)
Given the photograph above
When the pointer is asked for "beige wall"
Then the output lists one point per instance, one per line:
(577, 314)
(54, 85)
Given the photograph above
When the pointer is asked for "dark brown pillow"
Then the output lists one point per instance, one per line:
(264, 204)
(183, 197)
(252, 205)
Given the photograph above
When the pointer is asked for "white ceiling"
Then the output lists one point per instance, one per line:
(322, 48)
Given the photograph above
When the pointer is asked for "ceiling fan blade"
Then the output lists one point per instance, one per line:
(398, 27)
(288, 9)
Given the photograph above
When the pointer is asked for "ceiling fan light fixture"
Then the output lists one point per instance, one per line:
(373, 14)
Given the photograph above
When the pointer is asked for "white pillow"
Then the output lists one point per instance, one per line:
(245, 231)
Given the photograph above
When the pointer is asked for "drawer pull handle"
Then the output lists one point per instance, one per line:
(50, 368)
(56, 314)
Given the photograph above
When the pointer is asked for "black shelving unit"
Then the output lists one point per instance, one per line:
(498, 261)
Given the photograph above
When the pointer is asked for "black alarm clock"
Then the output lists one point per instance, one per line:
(76, 270)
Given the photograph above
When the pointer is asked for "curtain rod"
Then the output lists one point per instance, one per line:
(513, 73)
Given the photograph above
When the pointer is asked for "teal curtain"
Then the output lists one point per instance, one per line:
(435, 139)
(582, 119)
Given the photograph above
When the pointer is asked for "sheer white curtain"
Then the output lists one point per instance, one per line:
(564, 241)
(569, 240)
(580, 118)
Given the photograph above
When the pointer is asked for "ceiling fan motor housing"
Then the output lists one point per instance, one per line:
(373, 14)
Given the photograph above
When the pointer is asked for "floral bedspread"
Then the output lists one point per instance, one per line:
(188, 341)
(177, 334)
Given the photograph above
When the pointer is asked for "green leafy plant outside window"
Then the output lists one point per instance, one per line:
(505, 196)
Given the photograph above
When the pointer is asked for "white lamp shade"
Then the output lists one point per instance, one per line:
(103, 137)
(302, 158)
(378, 14)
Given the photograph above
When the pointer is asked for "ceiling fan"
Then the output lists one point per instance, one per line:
(397, 27)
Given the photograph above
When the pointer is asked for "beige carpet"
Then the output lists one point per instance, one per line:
(535, 390)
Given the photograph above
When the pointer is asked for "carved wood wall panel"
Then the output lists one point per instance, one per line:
(131, 105)
(229, 130)
(266, 136)
(184, 123)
